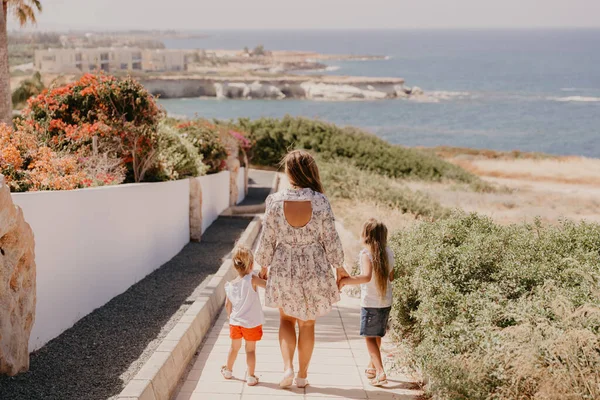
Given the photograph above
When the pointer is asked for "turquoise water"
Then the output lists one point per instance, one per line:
(505, 90)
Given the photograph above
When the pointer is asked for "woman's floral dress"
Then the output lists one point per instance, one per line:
(301, 260)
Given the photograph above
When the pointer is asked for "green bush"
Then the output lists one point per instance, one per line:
(207, 138)
(346, 181)
(273, 138)
(177, 156)
(28, 88)
(500, 312)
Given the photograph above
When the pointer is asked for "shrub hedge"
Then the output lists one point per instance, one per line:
(500, 312)
(275, 137)
(346, 181)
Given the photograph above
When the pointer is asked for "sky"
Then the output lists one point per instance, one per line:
(201, 15)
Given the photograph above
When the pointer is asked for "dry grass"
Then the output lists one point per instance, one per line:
(354, 213)
(551, 188)
(573, 170)
(448, 152)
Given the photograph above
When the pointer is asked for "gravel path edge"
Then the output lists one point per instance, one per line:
(160, 374)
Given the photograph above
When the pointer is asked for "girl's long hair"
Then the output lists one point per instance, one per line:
(302, 171)
(375, 237)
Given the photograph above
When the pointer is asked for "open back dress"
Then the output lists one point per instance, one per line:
(300, 259)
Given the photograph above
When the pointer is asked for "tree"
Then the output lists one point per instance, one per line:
(28, 88)
(25, 12)
(259, 50)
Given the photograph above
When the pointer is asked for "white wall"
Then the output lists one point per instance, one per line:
(215, 196)
(241, 185)
(93, 244)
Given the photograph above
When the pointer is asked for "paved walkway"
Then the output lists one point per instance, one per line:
(336, 370)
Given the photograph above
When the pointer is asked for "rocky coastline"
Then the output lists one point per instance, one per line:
(290, 87)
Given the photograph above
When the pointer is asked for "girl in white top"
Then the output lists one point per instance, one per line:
(245, 313)
(377, 273)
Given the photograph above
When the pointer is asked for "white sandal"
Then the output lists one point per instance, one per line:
(301, 382)
(379, 380)
(252, 380)
(227, 374)
(288, 378)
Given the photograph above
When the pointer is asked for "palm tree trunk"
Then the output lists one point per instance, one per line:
(5, 94)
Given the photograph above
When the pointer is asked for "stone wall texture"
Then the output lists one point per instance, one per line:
(17, 285)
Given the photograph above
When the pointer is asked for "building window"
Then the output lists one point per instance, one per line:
(137, 56)
(49, 58)
(104, 56)
(78, 57)
(136, 65)
(93, 67)
(105, 67)
(124, 66)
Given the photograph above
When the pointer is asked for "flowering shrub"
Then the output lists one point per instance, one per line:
(98, 114)
(28, 166)
(177, 156)
(208, 140)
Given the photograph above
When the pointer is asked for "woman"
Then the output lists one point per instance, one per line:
(300, 247)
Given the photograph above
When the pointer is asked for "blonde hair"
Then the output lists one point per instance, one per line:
(375, 234)
(302, 171)
(242, 259)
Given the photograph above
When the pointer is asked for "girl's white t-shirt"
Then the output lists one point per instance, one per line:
(246, 310)
(369, 293)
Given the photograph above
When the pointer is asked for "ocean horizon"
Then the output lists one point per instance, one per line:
(528, 90)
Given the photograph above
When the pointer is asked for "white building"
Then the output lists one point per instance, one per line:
(109, 60)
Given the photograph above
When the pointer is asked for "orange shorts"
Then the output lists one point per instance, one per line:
(249, 334)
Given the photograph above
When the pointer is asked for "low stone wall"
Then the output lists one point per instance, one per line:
(215, 196)
(93, 244)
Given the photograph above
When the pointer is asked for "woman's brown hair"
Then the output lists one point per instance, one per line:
(375, 234)
(302, 171)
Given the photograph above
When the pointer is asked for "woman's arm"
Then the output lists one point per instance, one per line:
(331, 242)
(365, 276)
(268, 237)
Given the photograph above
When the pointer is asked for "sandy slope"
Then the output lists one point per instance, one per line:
(551, 188)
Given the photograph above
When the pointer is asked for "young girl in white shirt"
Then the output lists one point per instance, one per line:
(377, 273)
(245, 313)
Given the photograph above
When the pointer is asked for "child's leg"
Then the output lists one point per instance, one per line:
(375, 353)
(251, 357)
(236, 344)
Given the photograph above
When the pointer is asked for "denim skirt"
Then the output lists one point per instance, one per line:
(374, 321)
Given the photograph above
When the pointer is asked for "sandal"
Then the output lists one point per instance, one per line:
(227, 374)
(379, 380)
(301, 382)
(288, 378)
(252, 380)
(370, 373)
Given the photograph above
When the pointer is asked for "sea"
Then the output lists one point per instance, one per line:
(527, 90)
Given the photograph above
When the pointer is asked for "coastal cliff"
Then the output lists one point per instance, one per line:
(290, 87)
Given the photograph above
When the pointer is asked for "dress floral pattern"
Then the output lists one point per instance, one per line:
(301, 260)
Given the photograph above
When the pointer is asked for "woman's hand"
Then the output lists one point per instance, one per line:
(263, 274)
(341, 273)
